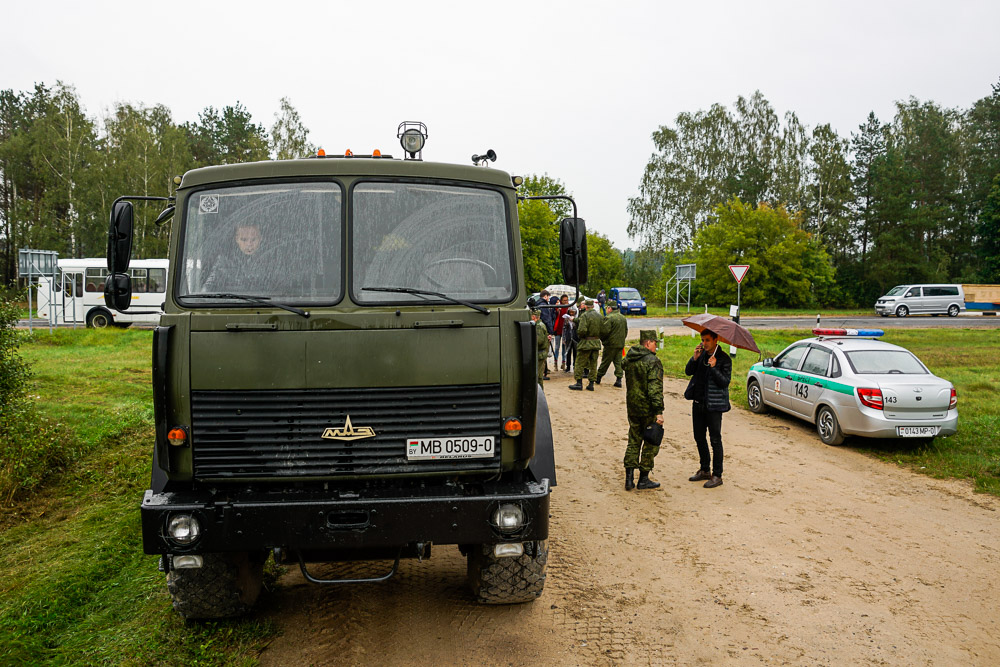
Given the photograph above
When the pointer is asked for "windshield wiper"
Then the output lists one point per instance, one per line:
(259, 300)
(423, 292)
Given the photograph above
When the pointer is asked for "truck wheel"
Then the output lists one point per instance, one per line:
(99, 318)
(952, 310)
(507, 579)
(902, 311)
(755, 399)
(828, 427)
(225, 585)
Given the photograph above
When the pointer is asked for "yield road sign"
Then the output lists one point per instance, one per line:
(738, 271)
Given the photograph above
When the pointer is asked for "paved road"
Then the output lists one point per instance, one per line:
(913, 322)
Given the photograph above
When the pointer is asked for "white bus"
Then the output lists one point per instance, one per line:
(79, 293)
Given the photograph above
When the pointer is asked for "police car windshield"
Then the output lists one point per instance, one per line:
(272, 241)
(432, 239)
(896, 291)
(630, 295)
(883, 362)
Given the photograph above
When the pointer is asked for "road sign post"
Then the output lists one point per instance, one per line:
(739, 271)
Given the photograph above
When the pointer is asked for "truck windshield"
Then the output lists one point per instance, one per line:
(279, 240)
(448, 239)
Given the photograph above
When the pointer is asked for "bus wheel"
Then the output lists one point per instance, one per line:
(99, 319)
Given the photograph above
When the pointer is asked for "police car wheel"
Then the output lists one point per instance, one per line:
(902, 311)
(828, 427)
(755, 399)
(952, 311)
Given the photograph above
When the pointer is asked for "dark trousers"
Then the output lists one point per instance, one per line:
(702, 419)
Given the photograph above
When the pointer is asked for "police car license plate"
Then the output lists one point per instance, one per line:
(917, 431)
(463, 447)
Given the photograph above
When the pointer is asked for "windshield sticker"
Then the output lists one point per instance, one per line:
(208, 204)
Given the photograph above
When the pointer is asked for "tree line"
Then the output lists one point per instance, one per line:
(913, 199)
(61, 169)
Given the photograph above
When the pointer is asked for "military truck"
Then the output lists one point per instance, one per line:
(344, 370)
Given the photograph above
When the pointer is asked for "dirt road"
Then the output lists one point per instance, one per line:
(807, 554)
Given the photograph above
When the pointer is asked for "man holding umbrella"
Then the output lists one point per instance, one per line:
(711, 370)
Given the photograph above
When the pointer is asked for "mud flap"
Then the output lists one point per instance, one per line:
(543, 464)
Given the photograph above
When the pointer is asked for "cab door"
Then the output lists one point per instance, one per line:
(808, 386)
(777, 383)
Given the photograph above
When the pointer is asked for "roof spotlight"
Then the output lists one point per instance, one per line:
(412, 137)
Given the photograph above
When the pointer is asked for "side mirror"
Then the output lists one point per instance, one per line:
(118, 291)
(120, 238)
(164, 215)
(573, 250)
(768, 363)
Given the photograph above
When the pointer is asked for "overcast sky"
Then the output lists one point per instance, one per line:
(572, 89)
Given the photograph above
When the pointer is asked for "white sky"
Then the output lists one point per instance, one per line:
(572, 89)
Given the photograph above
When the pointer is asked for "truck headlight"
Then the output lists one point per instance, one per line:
(508, 518)
(183, 529)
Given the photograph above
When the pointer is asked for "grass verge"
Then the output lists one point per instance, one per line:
(660, 311)
(75, 587)
(966, 357)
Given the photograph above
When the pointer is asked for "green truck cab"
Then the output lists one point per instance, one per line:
(345, 370)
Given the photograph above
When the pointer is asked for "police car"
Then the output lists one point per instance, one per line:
(849, 383)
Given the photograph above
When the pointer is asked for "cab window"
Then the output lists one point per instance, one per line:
(817, 361)
(790, 359)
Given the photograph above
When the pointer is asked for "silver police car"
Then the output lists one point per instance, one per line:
(848, 383)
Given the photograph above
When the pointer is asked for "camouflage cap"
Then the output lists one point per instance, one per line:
(536, 312)
(612, 304)
(647, 334)
(589, 303)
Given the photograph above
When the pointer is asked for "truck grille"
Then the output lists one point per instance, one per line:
(255, 434)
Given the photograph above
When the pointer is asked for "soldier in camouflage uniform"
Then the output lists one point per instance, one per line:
(542, 342)
(613, 333)
(644, 403)
(589, 332)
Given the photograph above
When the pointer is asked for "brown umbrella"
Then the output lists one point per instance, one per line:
(728, 331)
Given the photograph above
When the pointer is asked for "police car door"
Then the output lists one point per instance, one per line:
(777, 384)
(809, 383)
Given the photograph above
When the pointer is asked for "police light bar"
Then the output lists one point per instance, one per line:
(868, 333)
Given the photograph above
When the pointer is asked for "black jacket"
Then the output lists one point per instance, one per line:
(717, 380)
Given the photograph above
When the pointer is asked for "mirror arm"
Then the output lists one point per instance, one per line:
(576, 256)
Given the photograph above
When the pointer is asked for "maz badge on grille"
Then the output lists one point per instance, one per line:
(348, 432)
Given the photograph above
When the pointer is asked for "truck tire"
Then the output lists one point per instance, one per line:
(508, 579)
(99, 318)
(225, 585)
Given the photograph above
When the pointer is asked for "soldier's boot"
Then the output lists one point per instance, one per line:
(629, 479)
(590, 386)
(578, 386)
(597, 381)
(645, 482)
(618, 382)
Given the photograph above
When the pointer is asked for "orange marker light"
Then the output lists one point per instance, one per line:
(348, 153)
(376, 153)
(321, 153)
(177, 436)
(512, 427)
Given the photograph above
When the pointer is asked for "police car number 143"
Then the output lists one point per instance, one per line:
(461, 447)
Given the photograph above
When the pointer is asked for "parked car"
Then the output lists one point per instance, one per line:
(630, 302)
(848, 383)
(903, 300)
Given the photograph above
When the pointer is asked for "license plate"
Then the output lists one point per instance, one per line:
(917, 431)
(463, 447)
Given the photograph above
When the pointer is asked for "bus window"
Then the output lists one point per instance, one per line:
(95, 279)
(138, 281)
(158, 280)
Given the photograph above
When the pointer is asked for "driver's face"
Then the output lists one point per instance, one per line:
(248, 239)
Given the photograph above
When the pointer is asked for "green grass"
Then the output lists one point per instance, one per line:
(75, 587)
(660, 311)
(966, 357)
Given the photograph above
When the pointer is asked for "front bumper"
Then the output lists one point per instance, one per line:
(250, 520)
(866, 423)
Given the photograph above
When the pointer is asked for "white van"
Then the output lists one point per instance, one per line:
(903, 300)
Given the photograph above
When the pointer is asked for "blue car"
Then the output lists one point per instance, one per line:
(630, 302)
